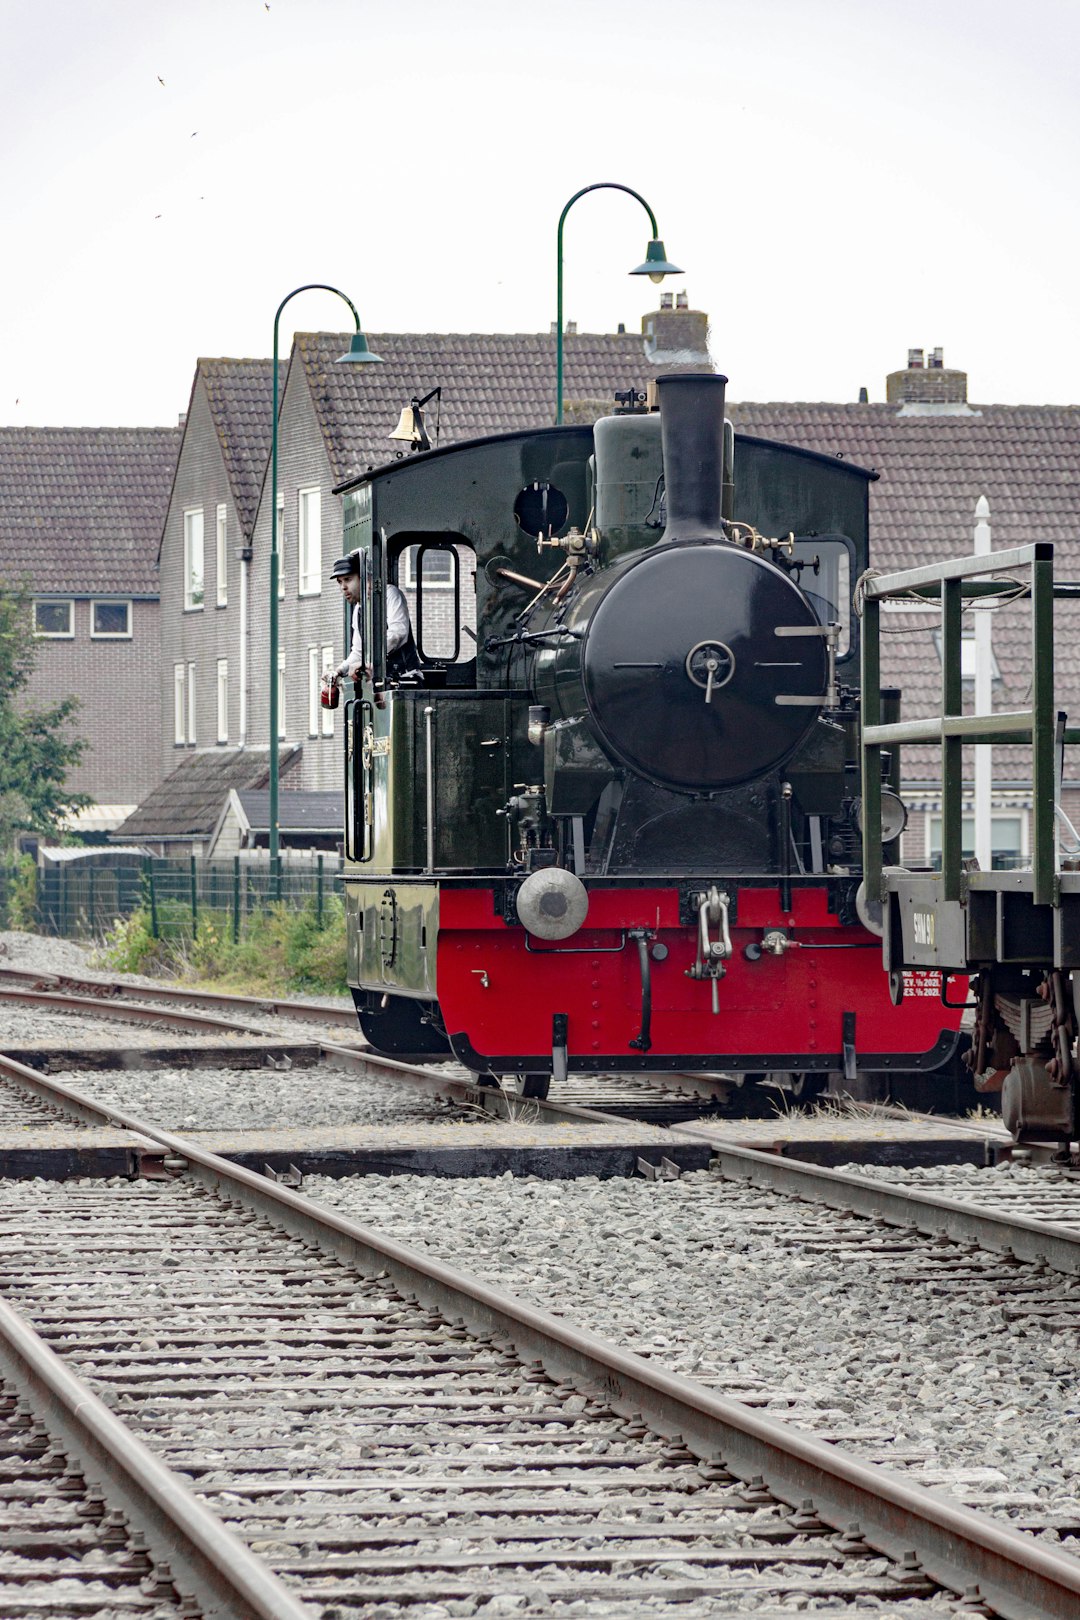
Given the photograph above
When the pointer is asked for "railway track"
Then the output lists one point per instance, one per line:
(664, 1100)
(379, 1428)
(235, 1007)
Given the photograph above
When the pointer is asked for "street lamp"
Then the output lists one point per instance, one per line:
(358, 353)
(656, 267)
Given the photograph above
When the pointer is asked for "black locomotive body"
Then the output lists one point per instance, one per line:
(613, 821)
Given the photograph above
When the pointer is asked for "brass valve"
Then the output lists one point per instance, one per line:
(575, 544)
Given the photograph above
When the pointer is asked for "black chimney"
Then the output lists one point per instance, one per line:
(692, 437)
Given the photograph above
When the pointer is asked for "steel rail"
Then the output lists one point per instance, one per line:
(300, 1011)
(1019, 1577)
(205, 1558)
(132, 1011)
(926, 1212)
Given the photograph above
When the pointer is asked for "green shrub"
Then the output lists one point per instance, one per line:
(281, 950)
(22, 895)
(130, 947)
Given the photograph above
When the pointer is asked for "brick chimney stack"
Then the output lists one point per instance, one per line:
(932, 383)
(677, 338)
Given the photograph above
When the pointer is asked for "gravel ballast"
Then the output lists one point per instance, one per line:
(251, 1099)
(785, 1305)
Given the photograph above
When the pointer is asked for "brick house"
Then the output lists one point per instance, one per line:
(936, 454)
(204, 559)
(81, 511)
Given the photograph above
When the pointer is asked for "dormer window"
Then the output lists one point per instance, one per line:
(967, 656)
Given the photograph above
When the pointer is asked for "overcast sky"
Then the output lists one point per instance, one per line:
(840, 179)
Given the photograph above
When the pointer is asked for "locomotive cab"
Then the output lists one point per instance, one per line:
(610, 820)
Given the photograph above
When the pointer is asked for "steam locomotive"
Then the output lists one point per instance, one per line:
(611, 821)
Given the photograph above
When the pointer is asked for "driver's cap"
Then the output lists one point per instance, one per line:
(344, 566)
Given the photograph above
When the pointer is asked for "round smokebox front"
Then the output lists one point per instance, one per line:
(683, 668)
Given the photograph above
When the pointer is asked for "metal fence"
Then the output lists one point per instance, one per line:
(82, 899)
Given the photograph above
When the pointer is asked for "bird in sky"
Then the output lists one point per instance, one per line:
(160, 80)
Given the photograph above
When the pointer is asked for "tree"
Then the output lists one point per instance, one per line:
(37, 746)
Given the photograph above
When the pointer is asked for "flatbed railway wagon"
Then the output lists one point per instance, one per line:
(1016, 933)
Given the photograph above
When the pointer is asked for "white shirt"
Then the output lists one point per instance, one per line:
(397, 630)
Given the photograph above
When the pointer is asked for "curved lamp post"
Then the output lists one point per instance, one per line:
(358, 353)
(656, 267)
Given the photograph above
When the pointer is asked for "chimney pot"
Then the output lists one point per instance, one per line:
(914, 359)
(667, 300)
(682, 300)
(622, 329)
(937, 359)
(571, 329)
(864, 396)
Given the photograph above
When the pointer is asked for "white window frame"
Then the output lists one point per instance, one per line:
(109, 635)
(194, 587)
(223, 700)
(309, 541)
(327, 715)
(179, 706)
(314, 682)
(281, 545)
(412, 579)
(192, 715)
(222, 554)
(282, 693)
(1002, 812)
(56, 635)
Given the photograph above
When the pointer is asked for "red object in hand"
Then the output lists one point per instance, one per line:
(330, 696)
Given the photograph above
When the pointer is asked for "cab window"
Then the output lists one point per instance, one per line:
(438, 577)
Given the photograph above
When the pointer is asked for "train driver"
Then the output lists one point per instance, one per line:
(401, 655)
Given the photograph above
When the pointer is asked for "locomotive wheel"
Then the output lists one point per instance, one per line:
(401, 1029)
(535, 1085)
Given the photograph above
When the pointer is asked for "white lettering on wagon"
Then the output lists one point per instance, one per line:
(924, 982)
(922, 925)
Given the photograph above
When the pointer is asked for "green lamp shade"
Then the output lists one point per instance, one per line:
(358, 352)
(656, 265)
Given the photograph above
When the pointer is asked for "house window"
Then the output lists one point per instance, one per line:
(438, 569)
(110, 620)
(179, 732)
(314, 681)
(56, 619)
(222, 556)
(281, 694)
(327, 714)
(309, 524)
(223, 700)
(193, 559)
(191, 703)
(967, 656)
(1006, 839)
(281, 545)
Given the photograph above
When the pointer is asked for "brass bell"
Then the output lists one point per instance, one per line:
(411, 428)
